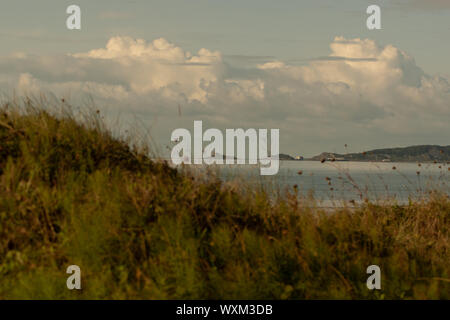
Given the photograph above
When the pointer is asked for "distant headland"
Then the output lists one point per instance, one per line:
(422, 153)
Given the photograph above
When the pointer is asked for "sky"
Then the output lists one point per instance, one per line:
(310, 68)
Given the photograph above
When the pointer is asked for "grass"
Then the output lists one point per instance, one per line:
(71, 193)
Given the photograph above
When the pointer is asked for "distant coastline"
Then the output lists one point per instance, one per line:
(421, 153)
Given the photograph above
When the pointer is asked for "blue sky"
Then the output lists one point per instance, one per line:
(247, 34)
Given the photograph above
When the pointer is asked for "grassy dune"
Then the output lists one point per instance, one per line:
(70, 193)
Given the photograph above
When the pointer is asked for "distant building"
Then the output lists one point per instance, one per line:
(298, 158)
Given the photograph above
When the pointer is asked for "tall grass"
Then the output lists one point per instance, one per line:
(71, 193)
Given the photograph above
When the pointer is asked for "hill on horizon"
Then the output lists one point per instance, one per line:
(419, 153)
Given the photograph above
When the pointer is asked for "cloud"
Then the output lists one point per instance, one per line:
(159, 66)
(362, 93)
(337, 58)
(248, 59)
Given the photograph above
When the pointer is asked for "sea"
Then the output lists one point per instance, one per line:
(341, 182)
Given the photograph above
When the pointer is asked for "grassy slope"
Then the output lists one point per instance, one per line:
(71, 194)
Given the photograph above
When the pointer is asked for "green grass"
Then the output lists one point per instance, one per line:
(71, 193)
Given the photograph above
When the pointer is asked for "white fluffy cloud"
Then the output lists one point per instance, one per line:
(159, 66)
(362, 94)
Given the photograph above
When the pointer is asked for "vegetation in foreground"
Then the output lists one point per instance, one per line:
(70, 193)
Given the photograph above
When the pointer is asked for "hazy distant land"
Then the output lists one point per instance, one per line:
(423, 153)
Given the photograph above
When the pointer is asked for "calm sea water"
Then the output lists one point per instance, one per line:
(335, 182)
